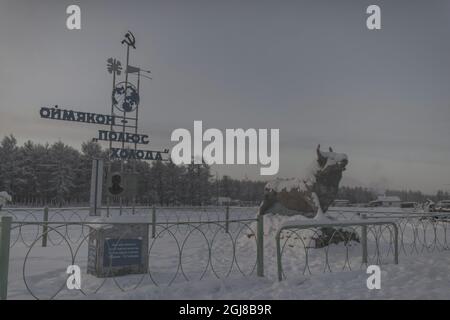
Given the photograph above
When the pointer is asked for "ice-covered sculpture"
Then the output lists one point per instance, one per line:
(4, 198)
(310, 196)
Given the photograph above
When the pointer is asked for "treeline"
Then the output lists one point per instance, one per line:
(417, 196)
(356, 194)
(57, 174)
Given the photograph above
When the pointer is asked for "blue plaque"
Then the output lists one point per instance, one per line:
(122, 252)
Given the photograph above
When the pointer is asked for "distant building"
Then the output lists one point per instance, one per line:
(443, 205)
(408, 205)
(242, 203)
(386, 201)
(341, 203)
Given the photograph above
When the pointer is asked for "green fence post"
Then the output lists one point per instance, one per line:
(396, 242)
(153, 222)
(227, 219)
(279, 264)
(364, 240)
(260, 246)
(5, 233)
(45, 227)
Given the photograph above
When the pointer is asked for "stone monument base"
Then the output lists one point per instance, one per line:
(117, 249)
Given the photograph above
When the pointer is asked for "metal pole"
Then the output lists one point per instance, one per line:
(137, 106)
(126, 87)
(108, 198)
(45, 228)
(135, 145)
(153, 222)
(5, 233)
(227, 219)
(260, 246)
(364, 239)
(95, 186)
(110, 141)
(396, 242)
(123, 127)
(279, 265)
(112, 113)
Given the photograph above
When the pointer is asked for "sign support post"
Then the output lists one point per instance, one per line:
(96, 187)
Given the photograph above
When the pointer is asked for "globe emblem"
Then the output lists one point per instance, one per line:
(125, 97)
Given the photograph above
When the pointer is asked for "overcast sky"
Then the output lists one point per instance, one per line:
(310, 68)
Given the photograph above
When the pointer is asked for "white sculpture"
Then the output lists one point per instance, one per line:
(310, 196)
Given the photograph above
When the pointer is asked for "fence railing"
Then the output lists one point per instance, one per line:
(418, 232)
(324, 234)
(158, 215)
(178, 250)
(348, 241)
(188, 243)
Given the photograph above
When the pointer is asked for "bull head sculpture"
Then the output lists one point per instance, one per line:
(331, 161)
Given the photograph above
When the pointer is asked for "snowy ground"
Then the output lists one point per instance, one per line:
(426, 277)
(208, 254)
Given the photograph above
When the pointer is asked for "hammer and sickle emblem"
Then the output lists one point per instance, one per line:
(129, 39)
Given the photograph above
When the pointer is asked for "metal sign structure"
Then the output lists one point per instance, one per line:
(123, 121)
(125, 100)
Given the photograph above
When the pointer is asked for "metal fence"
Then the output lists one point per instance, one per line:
(32, 218)
(418, 232)
(184, 244)
(352, 240)
(187, 243)
(324, 234)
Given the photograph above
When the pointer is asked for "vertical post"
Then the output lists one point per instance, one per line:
(364, 239)
(5, 233)
(108, 203)
(396, 243)
(96, 187)
(109, 169)
(227, 219)
(279, 265)
(153, 222)
(45, 227)
(124, 116)
(260, 246)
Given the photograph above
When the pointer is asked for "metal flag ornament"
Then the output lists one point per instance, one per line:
(131, 69)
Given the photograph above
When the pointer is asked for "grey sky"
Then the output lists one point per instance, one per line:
(309, 68)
